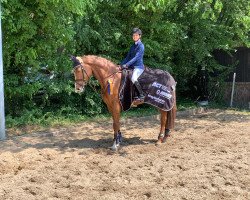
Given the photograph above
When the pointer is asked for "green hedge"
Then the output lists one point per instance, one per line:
(179, 36)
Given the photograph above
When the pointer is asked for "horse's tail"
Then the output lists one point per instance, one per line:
(171, 115)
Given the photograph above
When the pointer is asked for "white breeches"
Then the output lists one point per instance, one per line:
(136, 73)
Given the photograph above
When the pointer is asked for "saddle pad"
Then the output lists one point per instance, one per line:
(125, 90)
(157, 85)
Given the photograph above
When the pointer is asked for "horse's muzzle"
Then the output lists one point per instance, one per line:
(79, 89)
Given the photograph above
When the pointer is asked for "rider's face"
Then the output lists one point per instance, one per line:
(136, 37)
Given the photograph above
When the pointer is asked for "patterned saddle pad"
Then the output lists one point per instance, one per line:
(157, 85)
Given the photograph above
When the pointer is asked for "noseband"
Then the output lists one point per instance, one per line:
(83, 72)
(77, 65)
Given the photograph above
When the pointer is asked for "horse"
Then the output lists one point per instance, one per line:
(103, 69)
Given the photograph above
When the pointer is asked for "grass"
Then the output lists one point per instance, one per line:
(37, 120)
(36, 117)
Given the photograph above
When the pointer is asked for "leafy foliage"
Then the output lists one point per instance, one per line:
(179, 36)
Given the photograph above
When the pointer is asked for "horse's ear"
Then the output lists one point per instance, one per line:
(73, 58)
(75, 61)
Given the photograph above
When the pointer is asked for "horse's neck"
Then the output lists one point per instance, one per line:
(101, 69)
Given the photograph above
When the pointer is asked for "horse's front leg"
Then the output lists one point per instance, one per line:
(115, 110)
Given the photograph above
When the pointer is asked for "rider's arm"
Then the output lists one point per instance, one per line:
(127, 57)
(138, 55)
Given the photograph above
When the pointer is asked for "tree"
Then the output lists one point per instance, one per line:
(37, 35)
(179, 36)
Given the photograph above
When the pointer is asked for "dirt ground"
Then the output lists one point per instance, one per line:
(206, 157)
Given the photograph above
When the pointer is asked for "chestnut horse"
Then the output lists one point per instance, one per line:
(103, 69)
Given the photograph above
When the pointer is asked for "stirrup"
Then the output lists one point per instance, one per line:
(137, 102)
(141, 98)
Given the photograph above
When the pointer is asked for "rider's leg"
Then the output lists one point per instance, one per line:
(136, 73)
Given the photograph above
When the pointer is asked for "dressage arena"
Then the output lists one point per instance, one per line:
(207, 157)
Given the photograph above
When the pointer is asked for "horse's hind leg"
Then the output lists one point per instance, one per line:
(163, 126)
(170, 123)
(167, 123)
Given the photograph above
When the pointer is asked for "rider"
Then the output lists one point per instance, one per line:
(134, 59)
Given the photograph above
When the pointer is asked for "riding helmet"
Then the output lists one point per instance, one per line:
(137, 30)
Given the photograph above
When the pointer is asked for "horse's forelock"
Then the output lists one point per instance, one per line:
(79, 59)
(76, 60)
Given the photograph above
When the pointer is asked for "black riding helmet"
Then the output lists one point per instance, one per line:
(137, 30)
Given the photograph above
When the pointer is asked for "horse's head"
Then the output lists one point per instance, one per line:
(81, 72)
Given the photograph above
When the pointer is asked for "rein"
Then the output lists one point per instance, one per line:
(119, 71)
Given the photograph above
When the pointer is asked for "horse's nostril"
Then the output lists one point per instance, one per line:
(79, 90)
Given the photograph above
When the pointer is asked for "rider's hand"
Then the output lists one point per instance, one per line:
(124, 67)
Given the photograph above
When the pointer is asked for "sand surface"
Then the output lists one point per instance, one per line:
(207, 157)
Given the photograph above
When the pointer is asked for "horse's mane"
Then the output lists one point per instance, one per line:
(102, 60)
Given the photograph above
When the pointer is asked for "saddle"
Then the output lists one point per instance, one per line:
(157, 85)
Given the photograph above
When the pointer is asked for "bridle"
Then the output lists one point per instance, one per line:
(84, 78)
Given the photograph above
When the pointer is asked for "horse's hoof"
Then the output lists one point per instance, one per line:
(160, 138)
(115, 147)
(159, 142)
(164, 139)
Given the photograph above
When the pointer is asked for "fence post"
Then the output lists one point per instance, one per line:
(2, 115)
(232, 94)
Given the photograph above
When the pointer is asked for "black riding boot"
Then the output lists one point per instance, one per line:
(138, 87)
